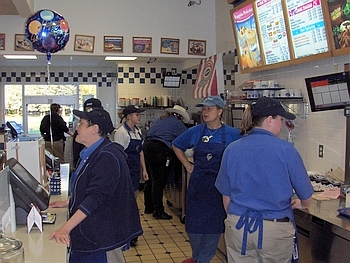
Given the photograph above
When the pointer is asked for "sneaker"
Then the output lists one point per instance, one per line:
(189, 260)
(162, 215)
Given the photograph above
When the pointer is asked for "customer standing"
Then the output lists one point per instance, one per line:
(159, 156)
(129, 136)
(205, 214)
(103, 214)
(52, 129)
(257, 178)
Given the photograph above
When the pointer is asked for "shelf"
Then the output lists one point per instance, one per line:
(288, 100)
(296, 105)
(250, 89)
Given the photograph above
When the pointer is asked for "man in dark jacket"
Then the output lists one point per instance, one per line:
(52, 129)
(102, 206)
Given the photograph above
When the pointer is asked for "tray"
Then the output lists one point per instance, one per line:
(345, 211)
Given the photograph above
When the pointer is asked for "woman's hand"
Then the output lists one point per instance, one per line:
(61, 237)
(296, 204)
(59, 204)
(189, 167)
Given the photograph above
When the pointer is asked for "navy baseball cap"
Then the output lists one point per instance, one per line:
(92, 103)
(131, 109)
(97, 116)
(265, 106)
(212, 101)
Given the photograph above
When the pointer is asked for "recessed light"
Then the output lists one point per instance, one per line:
(20, 56)
(120, 58)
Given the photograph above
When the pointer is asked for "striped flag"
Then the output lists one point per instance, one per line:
(210, 77)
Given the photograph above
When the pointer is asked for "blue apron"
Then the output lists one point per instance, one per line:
(205, 213)
(133, 151)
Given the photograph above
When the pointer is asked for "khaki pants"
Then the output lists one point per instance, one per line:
(58, 149)
(277, 244)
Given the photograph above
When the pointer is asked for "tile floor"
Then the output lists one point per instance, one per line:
(163, 241)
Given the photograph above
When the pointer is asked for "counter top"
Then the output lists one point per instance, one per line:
(324, 213)
(37, 246)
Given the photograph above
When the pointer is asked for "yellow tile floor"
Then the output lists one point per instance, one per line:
(163, 241)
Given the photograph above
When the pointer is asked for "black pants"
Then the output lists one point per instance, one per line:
(156, 155)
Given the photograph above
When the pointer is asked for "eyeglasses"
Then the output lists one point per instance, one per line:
(81, 123)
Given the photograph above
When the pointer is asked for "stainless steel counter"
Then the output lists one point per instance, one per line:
(324, 235)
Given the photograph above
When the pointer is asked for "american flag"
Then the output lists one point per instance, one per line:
(210, 77)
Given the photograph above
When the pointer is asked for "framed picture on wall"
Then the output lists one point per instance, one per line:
(84, 43)
(113, 44)
(22, 43)
(142, 45)
(2, 41)
(169, 45)
(197, 47)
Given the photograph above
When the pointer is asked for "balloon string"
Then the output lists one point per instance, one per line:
(48, 73)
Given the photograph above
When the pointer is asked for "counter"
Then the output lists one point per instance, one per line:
(324, 235)
(37, 246)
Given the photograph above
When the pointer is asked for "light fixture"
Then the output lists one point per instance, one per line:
(20, 57)
(119, 58)
(191, 2)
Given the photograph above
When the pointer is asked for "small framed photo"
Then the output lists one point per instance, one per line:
(2, 41)
(22, 43)
(169, 45)
(142, 45)
(113, 44)
(84, 43)
(197, 47)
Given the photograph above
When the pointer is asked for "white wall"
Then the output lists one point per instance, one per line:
(128, 18)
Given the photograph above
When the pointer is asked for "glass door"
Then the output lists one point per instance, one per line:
(36, 107)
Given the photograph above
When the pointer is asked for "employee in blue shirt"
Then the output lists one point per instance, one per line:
(159, 157)
(258, 177)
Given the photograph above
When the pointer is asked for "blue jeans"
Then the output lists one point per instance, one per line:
(203, 246)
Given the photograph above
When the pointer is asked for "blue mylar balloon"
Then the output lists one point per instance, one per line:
(47, 31)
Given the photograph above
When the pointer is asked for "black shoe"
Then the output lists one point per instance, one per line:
(148, 211)
(162, 215)
(133, 242)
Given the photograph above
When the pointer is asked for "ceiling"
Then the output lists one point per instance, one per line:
(25, 9)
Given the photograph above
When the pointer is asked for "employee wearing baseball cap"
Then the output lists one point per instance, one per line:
(258, 177)
(129, 136)
(103, 214)
(89, 104)
(205, 214)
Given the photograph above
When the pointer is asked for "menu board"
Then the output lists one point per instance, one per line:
(246, 37)
(273, 31)
(339, 12)
(307, 27)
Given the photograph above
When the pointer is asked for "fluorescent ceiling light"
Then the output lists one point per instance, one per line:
(120, 58)
(20, 56)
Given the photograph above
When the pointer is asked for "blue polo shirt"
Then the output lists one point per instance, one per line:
(166, 129)
(260, 172)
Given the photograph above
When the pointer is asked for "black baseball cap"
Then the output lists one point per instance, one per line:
(92, 103)
(130, 109)
(265, 106)
(97, 116)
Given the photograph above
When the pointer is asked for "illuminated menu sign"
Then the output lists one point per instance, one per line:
(273, 31)
(247, 38)
(307, 27)
(339, 13)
